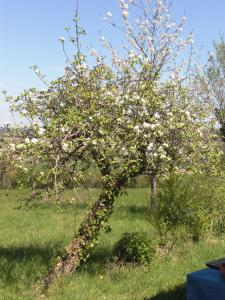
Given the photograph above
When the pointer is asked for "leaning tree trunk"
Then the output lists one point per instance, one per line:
(87, 235)
(88, 232)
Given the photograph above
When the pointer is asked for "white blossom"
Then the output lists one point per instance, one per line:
(20, 146)
(41, 130)
(129, 112)
(34, 140)
(152, 126)
(84, 66)
(102, 39)
(125, 14)
(157, 115)
(200, 132)
(137, 129)
(81, 67)
(65, 146)
(109, 14)
(146, 125)
(13, 146)
(190, 39)
(6, 124)
(150, 146)
(124, 5)
(62, 39)
(132, 55)
(188, 114)
(93, 52)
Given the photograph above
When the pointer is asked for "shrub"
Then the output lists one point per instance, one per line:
(218, 224)
(135, 247)
(173, 237)
(195, 202)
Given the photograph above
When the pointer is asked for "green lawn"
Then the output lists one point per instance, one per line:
(31, 237)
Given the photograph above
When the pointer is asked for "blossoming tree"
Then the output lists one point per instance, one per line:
(212, 83)
(131, 116)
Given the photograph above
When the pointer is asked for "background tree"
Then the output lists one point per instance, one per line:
(212, 85)
(7, 145)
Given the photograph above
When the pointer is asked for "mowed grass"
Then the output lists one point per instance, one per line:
(31, 238)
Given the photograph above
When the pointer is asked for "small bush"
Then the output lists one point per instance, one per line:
(135, 247)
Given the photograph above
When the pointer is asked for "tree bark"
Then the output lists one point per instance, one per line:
(33, 190)
(153, 188)
(86, 237)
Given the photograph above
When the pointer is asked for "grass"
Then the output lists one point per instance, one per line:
(30, 238)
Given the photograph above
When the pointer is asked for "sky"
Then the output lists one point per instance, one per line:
(29, 33)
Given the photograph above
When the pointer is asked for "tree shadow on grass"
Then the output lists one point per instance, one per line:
(97, 261)
(62, 206)
(136, 211)
(25, 265)
(178, 293)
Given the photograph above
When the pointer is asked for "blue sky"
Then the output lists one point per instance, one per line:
(29, 32)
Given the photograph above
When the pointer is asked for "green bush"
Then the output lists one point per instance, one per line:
(135, 247)
(218, 225)
(170, 237)
(195, 202)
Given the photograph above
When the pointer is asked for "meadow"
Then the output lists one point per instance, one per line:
(32, 236)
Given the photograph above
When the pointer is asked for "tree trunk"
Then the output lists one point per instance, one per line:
(33, 190)
(153, 188)
(87, 235)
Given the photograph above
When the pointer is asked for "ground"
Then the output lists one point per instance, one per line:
(31, 237)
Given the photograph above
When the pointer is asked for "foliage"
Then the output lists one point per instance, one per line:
(7, 146)
(194, 203)
(171, 238)
(135, 247)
